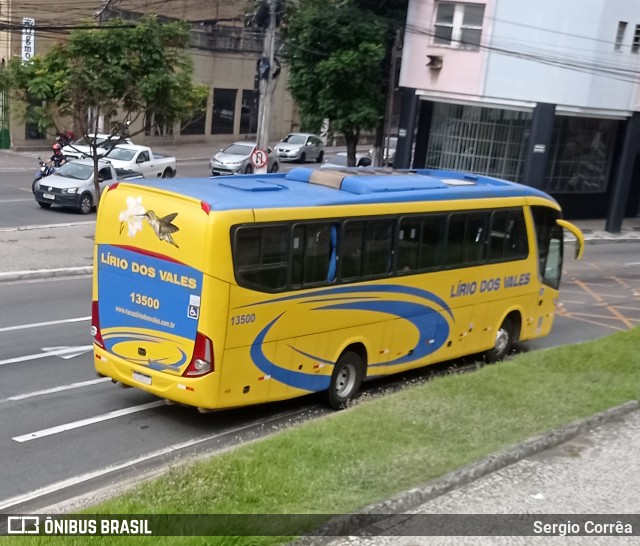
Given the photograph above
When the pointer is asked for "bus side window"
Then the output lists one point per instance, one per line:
(432, 242)
(261, 256)
(507, 236)
(351, 249)
(313, 254)
(466, 239)
(377, 247)
(408, 244)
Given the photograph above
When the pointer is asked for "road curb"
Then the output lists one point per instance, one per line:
(412, 498)
(45, 273)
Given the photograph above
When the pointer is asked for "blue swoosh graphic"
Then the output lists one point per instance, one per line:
(300, 380)
(375, 289)
(114, 338)
(432, 327)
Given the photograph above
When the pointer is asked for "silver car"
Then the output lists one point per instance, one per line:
(72, 185)
(300, 147)
(236, 159)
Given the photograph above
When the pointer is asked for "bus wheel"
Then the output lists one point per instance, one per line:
(506, 338)
(345, 380)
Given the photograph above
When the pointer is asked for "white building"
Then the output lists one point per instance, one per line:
(546, 93)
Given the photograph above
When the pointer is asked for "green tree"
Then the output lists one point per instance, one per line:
(338, 53)
(118, 70)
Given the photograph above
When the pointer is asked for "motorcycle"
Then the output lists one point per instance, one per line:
(44, 169)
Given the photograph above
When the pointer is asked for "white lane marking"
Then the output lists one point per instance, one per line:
(59, 388)
(76, 480)
(40, 324)
(47, 226)
(68, 352)
(16, 200)
(85, 422)
(64, 352)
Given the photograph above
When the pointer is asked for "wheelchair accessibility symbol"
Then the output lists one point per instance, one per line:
(193, 312)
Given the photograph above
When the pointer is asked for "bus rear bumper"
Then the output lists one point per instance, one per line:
(197, 392)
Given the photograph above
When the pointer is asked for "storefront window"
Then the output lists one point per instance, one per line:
(581, 155)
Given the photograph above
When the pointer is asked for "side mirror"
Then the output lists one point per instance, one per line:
(575, 231)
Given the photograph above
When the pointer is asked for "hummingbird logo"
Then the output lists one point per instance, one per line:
(162, 227)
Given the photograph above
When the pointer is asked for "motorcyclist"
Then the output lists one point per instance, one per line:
(58, 158)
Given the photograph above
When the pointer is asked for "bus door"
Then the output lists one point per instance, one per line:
(550, 250)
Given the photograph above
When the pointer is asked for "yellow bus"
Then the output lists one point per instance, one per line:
(237, 290)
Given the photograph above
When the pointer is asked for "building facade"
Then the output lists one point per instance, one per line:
(544, 93)
(224, 49)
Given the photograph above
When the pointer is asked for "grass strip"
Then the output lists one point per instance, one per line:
(383, 446)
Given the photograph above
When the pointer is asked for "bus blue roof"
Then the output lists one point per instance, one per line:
(300, 187)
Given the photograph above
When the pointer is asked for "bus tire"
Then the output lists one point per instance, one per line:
(506, 338)
(345, 380)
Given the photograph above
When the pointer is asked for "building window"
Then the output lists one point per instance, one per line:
(635, 46)
(486, 141)
(224, 109)
(195, 125)
(155, 124)
(622, 26)
(459, 25)
(249, 111)
(580, 155)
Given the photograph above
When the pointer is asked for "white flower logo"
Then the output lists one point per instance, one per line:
(132, 216)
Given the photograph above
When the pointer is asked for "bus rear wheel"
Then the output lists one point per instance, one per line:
(345, 380)
(506, 338)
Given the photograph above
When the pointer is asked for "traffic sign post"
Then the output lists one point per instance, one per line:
(259, 160)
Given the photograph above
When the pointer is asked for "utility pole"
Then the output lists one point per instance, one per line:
(266, 82)
(397, 43)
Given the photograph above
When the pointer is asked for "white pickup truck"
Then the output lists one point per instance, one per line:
(142, 159)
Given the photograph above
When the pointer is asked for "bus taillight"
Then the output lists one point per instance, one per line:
(202, 361)
(95, 325)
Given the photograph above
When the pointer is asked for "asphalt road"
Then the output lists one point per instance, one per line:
(62, 428)
(19, 208)
(64, 431)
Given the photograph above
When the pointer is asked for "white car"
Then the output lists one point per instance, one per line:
(236, 159)
(142, 159)
(389, 152)
(82, 147)
(300, 147)
(339, 161)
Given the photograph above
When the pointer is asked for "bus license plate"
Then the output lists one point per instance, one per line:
(142, 378)
(48, 196)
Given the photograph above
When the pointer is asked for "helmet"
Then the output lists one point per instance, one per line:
(56, 147)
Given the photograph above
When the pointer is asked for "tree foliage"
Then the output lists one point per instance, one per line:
(338, 54)
(120, 70)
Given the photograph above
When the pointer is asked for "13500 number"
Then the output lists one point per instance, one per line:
(147, 301)
(243, 319)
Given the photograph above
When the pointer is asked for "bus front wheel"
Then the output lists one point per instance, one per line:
(345, 380)
(506, 338)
